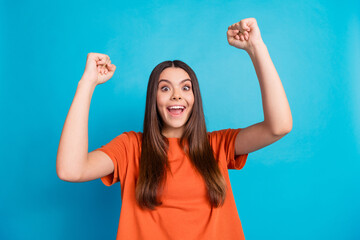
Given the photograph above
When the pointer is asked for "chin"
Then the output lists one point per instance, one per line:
(175, 124)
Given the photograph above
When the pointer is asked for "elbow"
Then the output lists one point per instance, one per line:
(62, 176)
(283, 131)
(287, 130)
(66, 176)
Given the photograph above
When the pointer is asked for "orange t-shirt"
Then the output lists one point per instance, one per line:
(185, 212)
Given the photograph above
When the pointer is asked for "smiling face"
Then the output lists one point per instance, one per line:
(174, 89)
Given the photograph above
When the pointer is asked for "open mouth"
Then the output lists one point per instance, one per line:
(176, 112)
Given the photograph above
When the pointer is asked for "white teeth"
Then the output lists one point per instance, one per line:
(176, 107)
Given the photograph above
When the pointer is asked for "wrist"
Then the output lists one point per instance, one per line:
(255, 47)
(86, 83)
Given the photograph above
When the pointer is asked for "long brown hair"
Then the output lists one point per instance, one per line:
(194, 141)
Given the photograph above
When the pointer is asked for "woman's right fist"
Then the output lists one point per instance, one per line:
(98, 68)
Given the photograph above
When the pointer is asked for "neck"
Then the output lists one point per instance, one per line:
(173, 133)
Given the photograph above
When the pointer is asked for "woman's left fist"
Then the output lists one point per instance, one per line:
(244, 34)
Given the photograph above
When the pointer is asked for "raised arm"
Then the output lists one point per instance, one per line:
(72, 155)
(277, 115)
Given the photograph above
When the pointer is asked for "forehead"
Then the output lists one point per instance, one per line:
(174, 74)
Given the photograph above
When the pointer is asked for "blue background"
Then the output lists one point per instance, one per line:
(305, 186)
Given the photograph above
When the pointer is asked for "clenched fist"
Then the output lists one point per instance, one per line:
(244, 34)
(98, 68)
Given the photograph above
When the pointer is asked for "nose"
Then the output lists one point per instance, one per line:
(176, 95)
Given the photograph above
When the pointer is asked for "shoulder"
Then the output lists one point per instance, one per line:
(223, 134)
(129, 138)
(132, 135)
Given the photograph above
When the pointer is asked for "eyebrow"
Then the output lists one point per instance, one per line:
(165, 80)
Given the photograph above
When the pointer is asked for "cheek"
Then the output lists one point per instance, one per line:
(191, 99)
(158, 99)
(160, 103)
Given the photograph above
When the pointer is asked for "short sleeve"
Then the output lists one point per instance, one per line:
(223, 143)
(117, 149)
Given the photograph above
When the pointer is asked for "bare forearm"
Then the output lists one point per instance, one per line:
(73, 146)
(277, 114)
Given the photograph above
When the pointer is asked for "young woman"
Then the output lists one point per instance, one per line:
(174, 176)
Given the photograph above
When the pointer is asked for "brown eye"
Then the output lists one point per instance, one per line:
(164, 88)
(188, 87)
